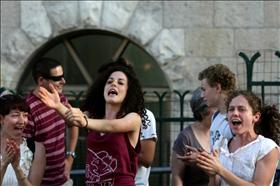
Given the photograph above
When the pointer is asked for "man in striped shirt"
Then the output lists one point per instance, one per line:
(47, 126)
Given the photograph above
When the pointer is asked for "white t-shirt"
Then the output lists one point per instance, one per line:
(143, 173)
(242, 162)
(219, 131)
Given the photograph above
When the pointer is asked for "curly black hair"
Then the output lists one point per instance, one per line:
(269, 123)
(134, 100)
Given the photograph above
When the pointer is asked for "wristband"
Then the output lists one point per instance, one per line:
(71, 153)
(86, 121)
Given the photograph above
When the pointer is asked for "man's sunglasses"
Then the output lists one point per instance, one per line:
(54, 78)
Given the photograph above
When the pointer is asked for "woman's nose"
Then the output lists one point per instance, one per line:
(235, 111)
(114, 82)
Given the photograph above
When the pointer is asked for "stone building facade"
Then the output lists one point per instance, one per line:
(183, 37)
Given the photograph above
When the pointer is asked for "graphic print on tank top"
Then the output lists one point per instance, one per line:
(101, 165)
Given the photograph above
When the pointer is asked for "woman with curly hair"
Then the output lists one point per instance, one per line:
(115, 108)
(251, 156)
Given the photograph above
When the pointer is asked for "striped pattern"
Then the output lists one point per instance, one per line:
(47, 126)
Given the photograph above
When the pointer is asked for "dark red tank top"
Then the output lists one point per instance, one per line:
(111, 160)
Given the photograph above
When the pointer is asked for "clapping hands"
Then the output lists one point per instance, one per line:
(209, 162)
(190, 155)
(11, 153)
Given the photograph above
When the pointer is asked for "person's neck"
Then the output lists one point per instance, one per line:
(202, 125)
(221, 105)
(35, 91)
(111, 111)
(246, 138)
(222, 108)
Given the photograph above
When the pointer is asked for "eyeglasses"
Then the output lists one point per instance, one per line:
(54, 78)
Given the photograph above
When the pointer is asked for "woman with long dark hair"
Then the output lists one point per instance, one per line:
(115, 109)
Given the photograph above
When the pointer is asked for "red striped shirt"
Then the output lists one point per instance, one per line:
(47, 126)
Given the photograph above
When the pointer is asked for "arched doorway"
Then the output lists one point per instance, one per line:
(81, 53)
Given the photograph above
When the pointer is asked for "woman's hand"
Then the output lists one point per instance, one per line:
(209, 163)
(51, 99)
(190, 155)
(16, 157)
(9, 153)
(76, 117)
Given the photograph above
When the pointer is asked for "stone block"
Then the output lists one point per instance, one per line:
(64, 14)
(90, 12)
(168, 45)
(10, 74)
(19, 48)
(10, 19)
(146, 22)
(38, 28)
(117, 14)
(272, 14)
(181, 14)
(256, 39)
(238, 14)
(209, 42)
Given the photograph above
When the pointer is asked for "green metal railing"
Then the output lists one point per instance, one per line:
(250, 62)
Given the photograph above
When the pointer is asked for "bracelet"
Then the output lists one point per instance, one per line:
(71, 153)
(86, 121)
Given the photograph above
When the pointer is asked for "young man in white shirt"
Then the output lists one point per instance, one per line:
(217, 81)
(148, 138)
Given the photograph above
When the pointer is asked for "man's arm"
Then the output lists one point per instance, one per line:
(37, 169)
(74, 134)
(146, 156)
(177, 170)
(148, 141)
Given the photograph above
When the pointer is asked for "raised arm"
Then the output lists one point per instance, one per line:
(52, 99)
(130, 123)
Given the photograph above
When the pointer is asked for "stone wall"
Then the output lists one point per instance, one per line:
(184, 37)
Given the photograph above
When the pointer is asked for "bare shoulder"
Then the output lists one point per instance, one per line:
(133, 115)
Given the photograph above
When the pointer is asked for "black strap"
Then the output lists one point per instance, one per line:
(215, 115)
(31, 144)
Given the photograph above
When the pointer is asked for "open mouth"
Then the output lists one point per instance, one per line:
(112, 92)
(18, 129)
(236, 122)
